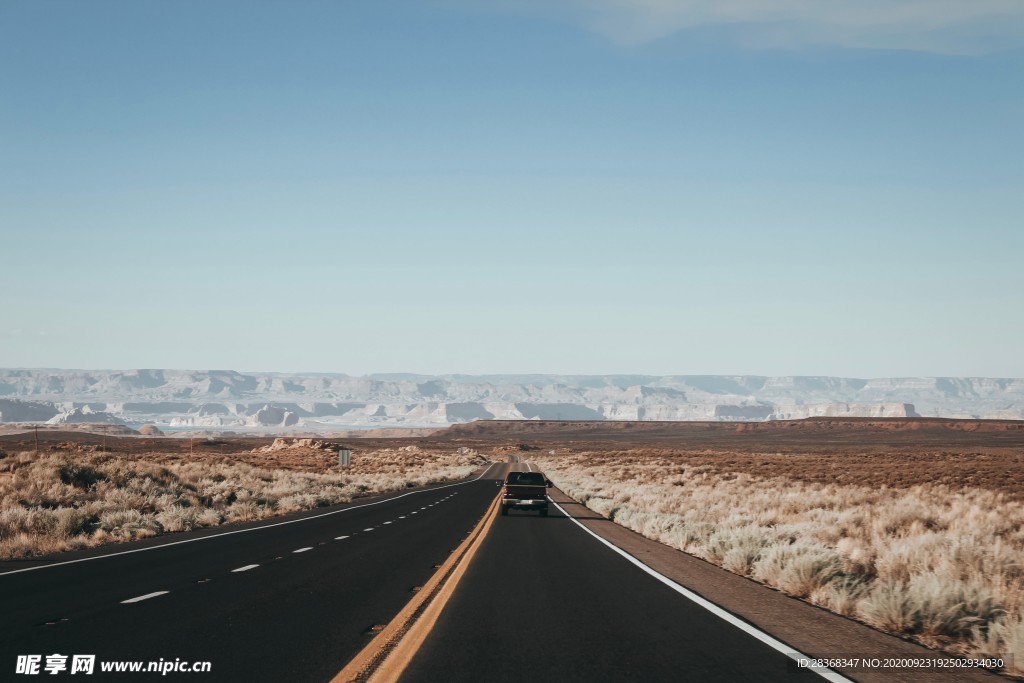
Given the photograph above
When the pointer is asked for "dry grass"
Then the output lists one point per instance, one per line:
(941, 564)
(73, 499)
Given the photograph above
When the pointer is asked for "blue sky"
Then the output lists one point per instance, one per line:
(587, 186)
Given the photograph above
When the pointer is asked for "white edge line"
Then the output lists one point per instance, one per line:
(792, 653)
(147, 596)
(245, 531)
(245, 568)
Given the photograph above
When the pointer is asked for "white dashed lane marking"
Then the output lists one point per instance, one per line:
(300, 550)
(147, 596)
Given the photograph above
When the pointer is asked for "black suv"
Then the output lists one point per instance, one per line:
(525, 491)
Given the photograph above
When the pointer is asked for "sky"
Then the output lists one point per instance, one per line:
(786, 187)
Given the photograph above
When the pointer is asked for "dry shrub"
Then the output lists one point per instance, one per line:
(68, 522)
(843, 595)
(736, 549)
(797, 568)
(1001, 636)
(129, 523)
(890, 607)
(178, 518)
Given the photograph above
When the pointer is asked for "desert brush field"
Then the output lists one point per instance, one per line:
(913, 527)
(74, 495)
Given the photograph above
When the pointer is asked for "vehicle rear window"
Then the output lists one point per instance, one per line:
(534, 478)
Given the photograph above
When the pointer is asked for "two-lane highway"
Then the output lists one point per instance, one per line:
(541, 600)
(545, 601)
(285, 601)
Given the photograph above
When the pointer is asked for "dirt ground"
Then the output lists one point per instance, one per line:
(896, 453)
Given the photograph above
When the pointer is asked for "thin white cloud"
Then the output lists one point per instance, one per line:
(953, 26)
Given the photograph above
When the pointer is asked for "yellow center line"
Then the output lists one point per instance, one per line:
(384, 659)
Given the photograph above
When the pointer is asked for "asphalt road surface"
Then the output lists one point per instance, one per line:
(545, 601)
(290, 602)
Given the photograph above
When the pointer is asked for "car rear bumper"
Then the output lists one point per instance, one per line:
(524, 504)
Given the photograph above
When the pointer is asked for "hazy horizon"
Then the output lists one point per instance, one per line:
(496, 375)
(565, 188)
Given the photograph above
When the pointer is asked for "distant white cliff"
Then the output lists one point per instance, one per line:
(266, 401)
(85, 415)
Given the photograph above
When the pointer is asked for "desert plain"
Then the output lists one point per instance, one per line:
(910, 526)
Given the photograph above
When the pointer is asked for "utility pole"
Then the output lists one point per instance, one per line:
(36, 427)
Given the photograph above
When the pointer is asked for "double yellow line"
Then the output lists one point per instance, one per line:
(384, 659)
